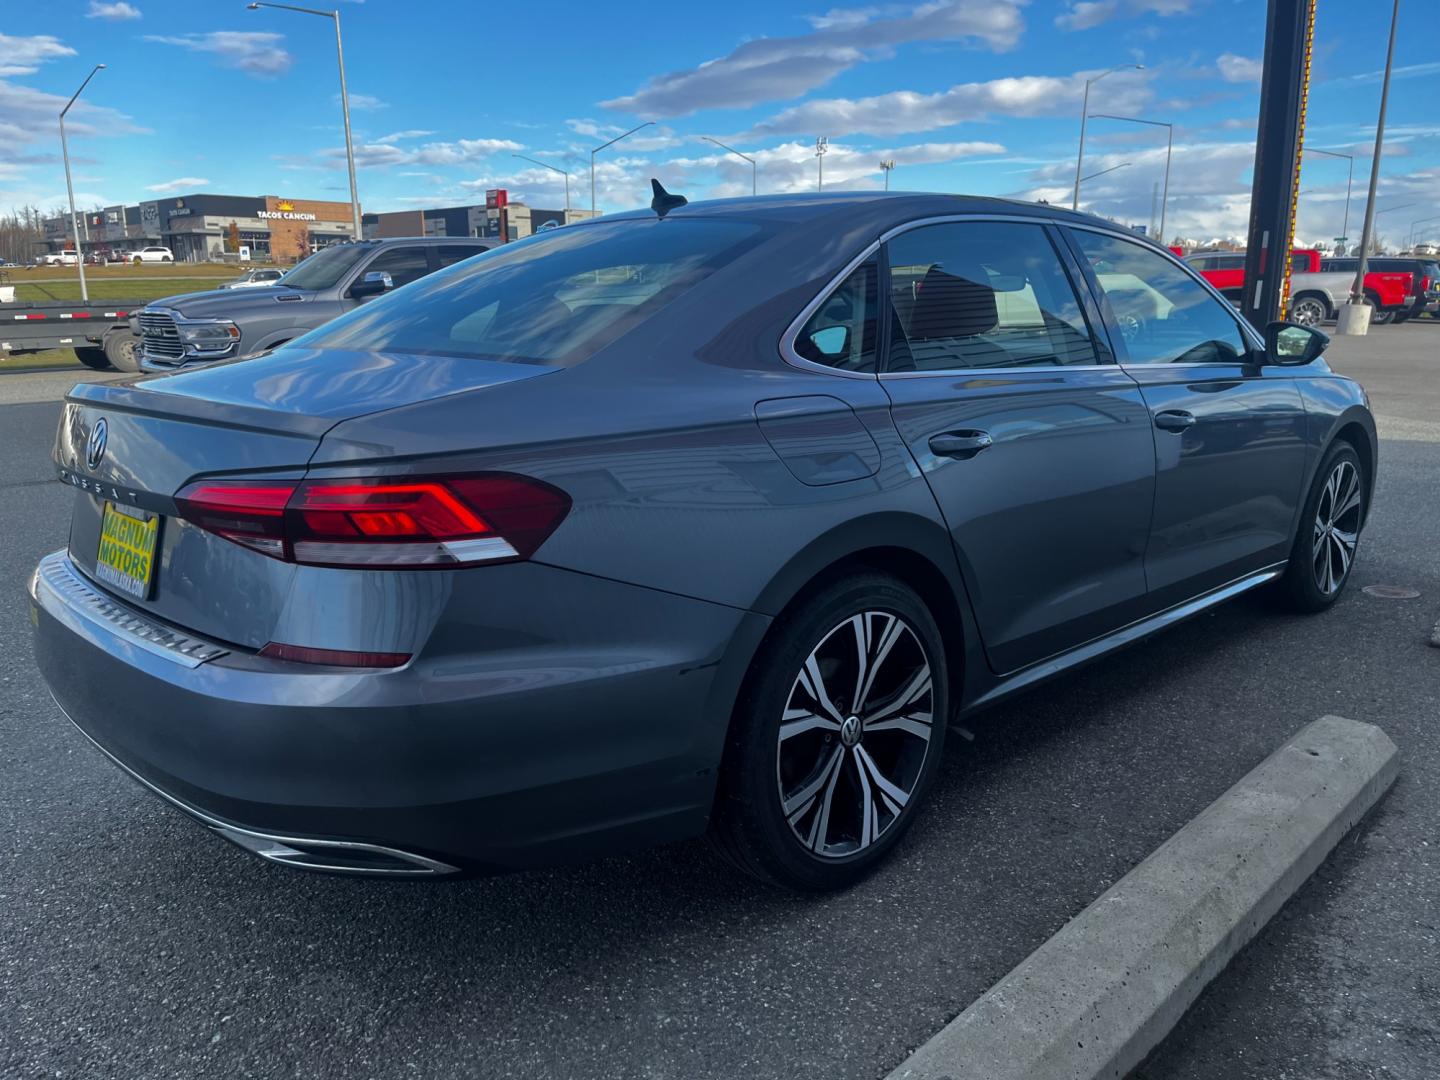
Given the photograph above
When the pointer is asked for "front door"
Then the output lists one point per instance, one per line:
(1037, 447)
(1229, 432)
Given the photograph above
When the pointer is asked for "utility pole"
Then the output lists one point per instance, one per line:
(889, 167)
(822, 145)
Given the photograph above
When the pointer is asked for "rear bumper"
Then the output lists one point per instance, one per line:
(562, 751)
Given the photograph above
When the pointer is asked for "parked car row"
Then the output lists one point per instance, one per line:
(1396, 288)
(711, 518)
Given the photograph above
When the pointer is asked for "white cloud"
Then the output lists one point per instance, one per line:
(650, 138)
(771, 69)
(396, 136)
(1085, 14)
(117, 12)
(1239, 69)
(364, 102)
(385, 153)
(255, 53)
(904, 111)
(179, 184)
(24, 55)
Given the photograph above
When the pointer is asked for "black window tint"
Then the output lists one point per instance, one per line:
(1165, 316)
(403, 264)
(1299, 261)
(450, 254)
(841, 333)
(556, 297)
(982, 295)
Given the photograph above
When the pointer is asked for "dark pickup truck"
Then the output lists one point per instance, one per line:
(227, 324)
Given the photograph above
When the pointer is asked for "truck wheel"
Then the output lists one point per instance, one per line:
(1309, 310)
(93, 357)
(138, 260)
(121, 349)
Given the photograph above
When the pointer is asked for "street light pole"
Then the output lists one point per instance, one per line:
(256, 5)
(822, 145)
(1084, 112)
(888, 166)
(70, 187)
(1420, 221)
(1349, 180)
(552, 168)
(1102, 172)
(754, 171)
(1169, 149)
(1357, 289)
(612, 142)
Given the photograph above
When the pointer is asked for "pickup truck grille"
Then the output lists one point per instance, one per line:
(158, 337)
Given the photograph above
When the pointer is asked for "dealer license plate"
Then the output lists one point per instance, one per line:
(126, 559)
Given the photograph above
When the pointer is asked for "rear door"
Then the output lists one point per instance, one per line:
(1229, 432)
(1036, 445)
(404, 264)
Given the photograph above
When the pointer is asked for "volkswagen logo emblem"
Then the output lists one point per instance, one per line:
(95, 445)
(851, 730)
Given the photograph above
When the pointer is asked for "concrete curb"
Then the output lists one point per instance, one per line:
(1101, 994)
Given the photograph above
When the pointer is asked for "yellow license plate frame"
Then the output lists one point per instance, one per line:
(125, 559)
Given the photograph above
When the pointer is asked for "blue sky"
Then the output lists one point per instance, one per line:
(966, 95)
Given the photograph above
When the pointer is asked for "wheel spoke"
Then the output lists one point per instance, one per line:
(1321, 532)
(795, 806)
(917, 724)
(1348, 539)
(1342, 554)
(917, 688)
(799, 721)
(893, 793)
(869, 826)
(821, 829)
(888, 637)
(1349, 502)
(814, 683)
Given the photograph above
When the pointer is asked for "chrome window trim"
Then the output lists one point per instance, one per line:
(787, 339)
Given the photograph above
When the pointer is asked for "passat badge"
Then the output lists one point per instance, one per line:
(95, 446)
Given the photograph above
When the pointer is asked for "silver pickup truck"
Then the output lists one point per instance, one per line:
(226, 324)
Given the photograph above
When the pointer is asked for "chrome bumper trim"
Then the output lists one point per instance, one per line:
(72, 598)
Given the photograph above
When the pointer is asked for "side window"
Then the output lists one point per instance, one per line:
(1165, 316)
(841, 333)
(450, 254)
(1203, 262)
(403, 264)
(982, 294)
(1300, 263)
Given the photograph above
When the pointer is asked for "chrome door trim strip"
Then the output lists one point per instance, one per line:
(1126, 635)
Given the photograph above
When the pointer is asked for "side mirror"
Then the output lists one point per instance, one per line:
(1292, 344)
(373, 283)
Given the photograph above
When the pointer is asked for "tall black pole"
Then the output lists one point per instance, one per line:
(1278, 141)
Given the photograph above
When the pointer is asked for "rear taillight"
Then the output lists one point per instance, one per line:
(399, 522)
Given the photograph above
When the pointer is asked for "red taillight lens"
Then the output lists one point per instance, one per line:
(245, 511)
(430, 521)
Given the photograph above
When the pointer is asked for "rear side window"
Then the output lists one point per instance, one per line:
(982, 295)
(403, 264)
(841, 333)
(450, 254)
(554, 298)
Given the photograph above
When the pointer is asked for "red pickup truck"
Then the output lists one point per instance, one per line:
(1314, 295)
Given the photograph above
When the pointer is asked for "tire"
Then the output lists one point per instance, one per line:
(841, 822)
(93, 357)
(1326, 542)
(139, 261)
(1379, 316)
(166, 258)
(122, 350)
(1401, 316)
(1309, 310)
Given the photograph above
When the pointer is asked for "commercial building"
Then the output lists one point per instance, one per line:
(200, 228)
(496, 219)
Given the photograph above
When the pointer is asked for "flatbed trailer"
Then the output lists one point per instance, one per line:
(99, 332)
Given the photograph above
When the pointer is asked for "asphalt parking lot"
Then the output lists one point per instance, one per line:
(135, 944)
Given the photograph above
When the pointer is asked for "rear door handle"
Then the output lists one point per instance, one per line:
(1174, 420)
(960, 444)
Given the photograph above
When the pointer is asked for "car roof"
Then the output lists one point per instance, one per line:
(882, 209)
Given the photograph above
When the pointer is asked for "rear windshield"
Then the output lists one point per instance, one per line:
(327, 266)
(554, 298)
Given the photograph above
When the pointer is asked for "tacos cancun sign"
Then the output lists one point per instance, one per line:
(285, 215)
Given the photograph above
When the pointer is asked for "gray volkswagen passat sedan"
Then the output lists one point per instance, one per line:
(666, 523)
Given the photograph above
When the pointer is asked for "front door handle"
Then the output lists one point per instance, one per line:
(959, 444)
(1174, 420)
